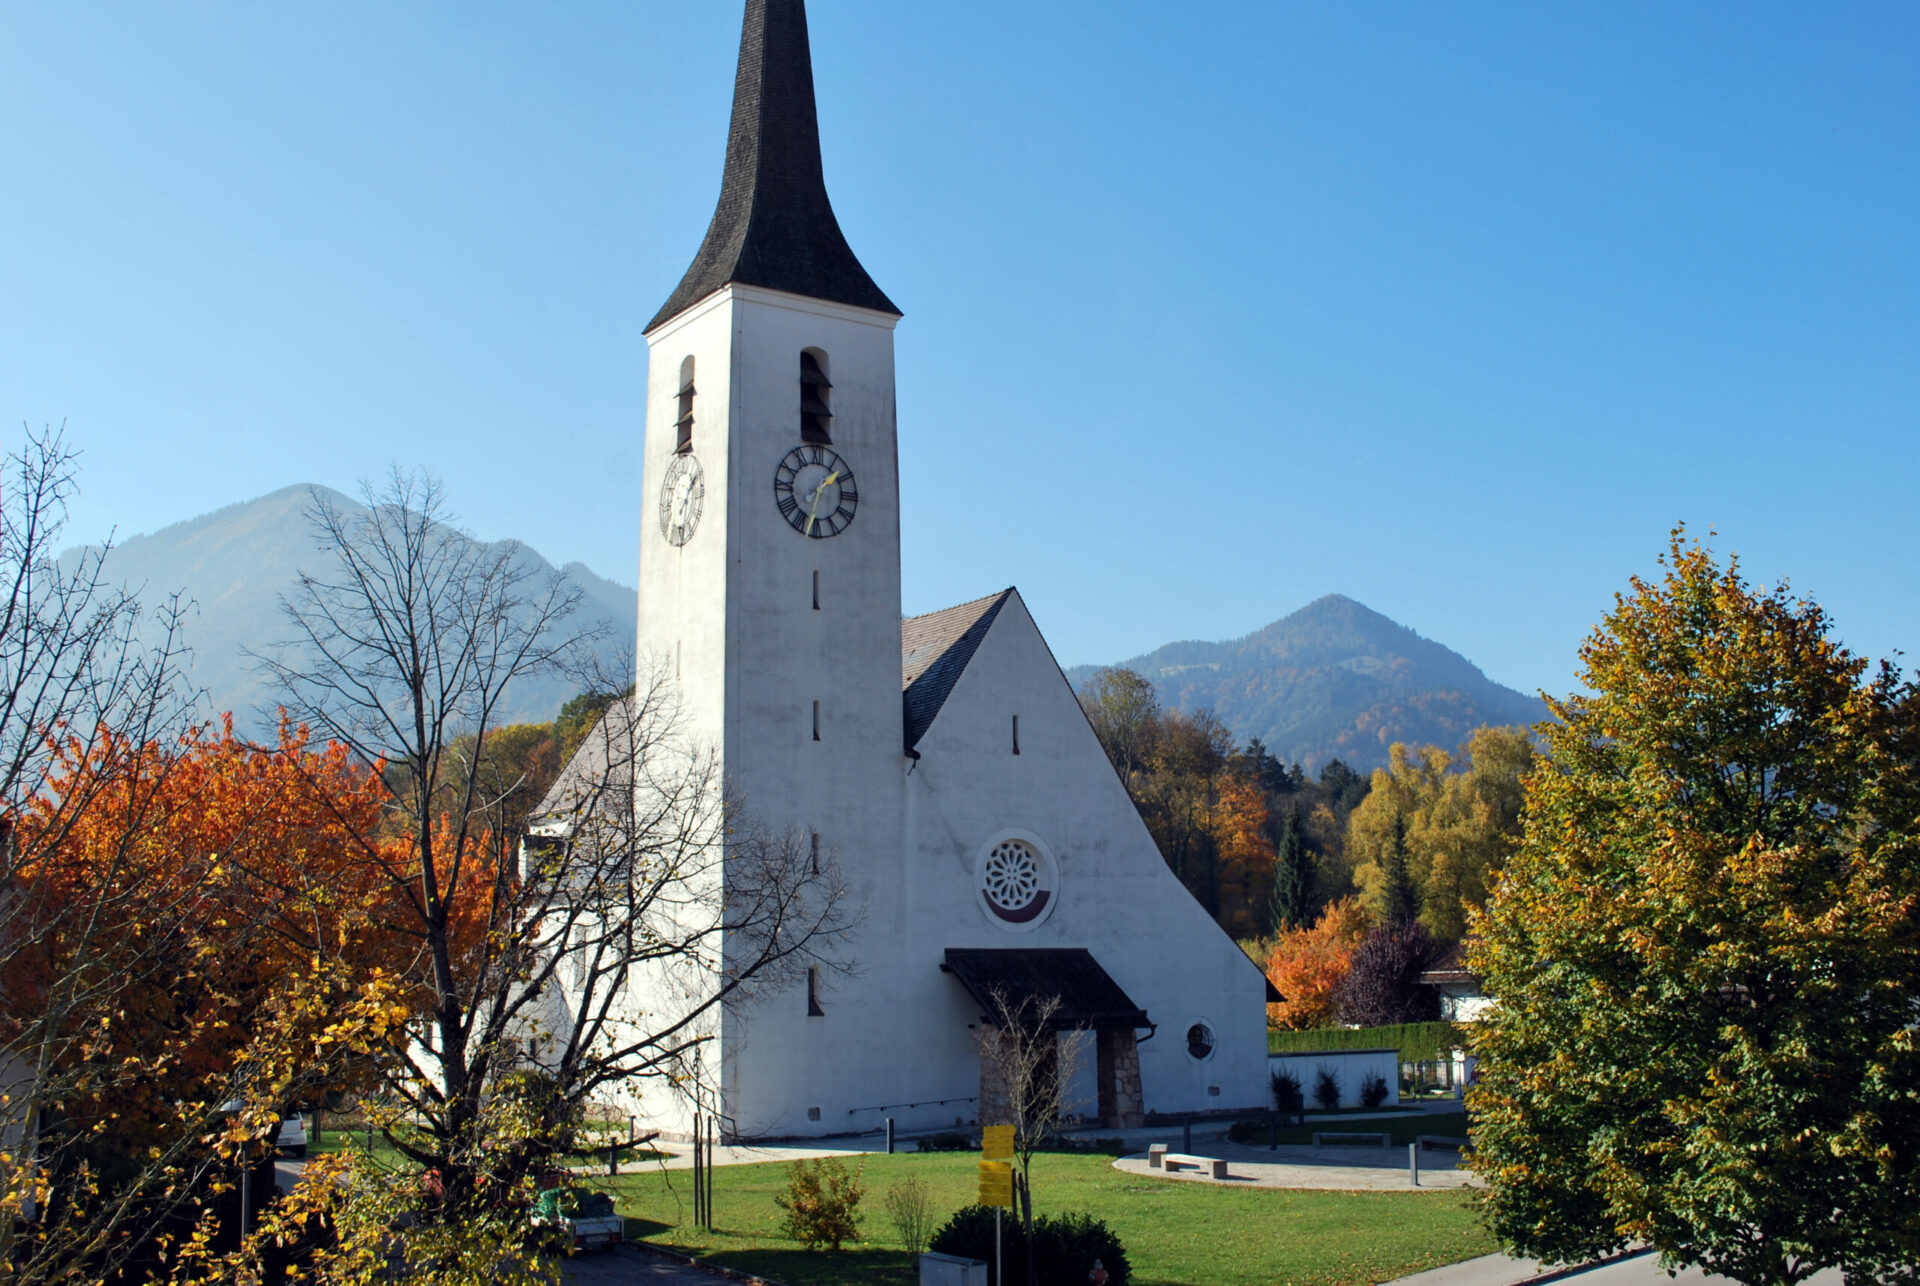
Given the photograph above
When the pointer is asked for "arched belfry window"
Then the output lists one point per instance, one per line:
(816, 405)
(684, 425)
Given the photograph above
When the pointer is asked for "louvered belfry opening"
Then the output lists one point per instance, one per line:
(683, 426)
(816, 408)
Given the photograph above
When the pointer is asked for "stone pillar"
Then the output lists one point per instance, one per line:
(1118, 1056)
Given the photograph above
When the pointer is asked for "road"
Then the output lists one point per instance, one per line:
(623, 1265)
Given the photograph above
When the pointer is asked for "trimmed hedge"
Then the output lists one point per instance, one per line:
(1064, 1246)
(1417, 1042)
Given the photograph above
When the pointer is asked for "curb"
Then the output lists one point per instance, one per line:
(1557, 1274)
(733, 1274)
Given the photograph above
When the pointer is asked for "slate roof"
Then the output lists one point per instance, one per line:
(1089, 997)
(774, 226)
(934, 651)
(1451, 967)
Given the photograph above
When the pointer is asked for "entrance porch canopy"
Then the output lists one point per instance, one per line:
(1028, 976)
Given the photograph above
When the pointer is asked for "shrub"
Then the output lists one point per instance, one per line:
(1248, 1131)
(1373, 1090)
(1326, 1088)
(910, 1206)
(1064, 1247)
(1111, 1144)
(821, 1202)
(948, 1141)
(1287, 1096)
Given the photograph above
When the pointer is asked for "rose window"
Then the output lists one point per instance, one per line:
(1012, 876)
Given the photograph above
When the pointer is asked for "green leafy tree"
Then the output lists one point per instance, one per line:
(1401, 898)
(1293, 885)
(1705, 954)
(1125, 714)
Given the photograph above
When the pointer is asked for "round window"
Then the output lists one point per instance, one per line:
(1200, 1040)
(1016, 881)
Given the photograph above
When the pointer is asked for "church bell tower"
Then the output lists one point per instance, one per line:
(770, 541)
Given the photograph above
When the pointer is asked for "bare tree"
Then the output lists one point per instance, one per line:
(1028, 1061)
(527, 960)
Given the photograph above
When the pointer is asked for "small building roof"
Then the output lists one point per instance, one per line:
(1088, 995)
(1451, 968)
(934, 651)
(774, 226)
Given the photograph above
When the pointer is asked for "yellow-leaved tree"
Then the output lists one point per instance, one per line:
(1705, 955)
(1461, 820)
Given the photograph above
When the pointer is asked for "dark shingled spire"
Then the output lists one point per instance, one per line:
(774, 226)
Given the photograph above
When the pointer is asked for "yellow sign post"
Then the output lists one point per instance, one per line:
(996, 1179)
(996, 1184)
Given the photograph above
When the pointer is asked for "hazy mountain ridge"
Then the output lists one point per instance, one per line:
(1335, 679)
(232, 566)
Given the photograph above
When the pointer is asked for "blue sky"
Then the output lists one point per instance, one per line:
(1210, 308)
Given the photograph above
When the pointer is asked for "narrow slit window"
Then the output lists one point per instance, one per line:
(816, 721)
(813, 993)
(683, 427)
(816, 591)
(816, 399)
(1016, 734)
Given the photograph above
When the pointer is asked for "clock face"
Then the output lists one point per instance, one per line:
(682, 494)
(815, 491)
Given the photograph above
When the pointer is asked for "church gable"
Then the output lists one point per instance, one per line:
(934, 651)
(1011, 729)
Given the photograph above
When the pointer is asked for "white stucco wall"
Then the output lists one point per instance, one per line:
(732, 613)
(1349, 1067)
(1116, 896)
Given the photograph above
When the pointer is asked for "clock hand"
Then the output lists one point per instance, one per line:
(813, 514)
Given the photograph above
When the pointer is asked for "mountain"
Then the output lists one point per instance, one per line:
(233, 566)
(1333, 680)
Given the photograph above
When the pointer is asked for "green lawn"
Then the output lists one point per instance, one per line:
(1176, 1234)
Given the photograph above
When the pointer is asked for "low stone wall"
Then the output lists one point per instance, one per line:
(1349, 1067)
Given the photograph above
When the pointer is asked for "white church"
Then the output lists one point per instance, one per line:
(943, 760)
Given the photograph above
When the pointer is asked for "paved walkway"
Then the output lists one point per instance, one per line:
(1328, 1168)
(679, 1156)
(1634, 1270)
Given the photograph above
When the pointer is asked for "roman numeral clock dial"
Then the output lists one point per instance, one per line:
(683, 493)
(815, 491)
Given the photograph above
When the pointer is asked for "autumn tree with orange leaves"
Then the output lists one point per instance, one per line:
(1307, 965)
(157, 963)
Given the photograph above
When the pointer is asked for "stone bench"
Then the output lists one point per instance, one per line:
(1156, 1156)
(1181, 1161)
(1351, 1140)
(1442, 1141)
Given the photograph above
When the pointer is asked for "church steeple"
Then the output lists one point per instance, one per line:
(774, 226)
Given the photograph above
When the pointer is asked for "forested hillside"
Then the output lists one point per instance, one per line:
(1334, 680)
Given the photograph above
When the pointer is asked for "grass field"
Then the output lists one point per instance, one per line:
(1176, 1234)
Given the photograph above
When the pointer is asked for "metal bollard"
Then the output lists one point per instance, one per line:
(1186, 1136)
(1273, 1131)
(889, 1136)
(1413, 1162)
